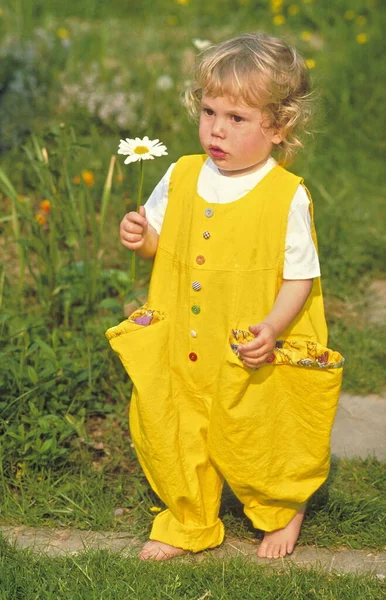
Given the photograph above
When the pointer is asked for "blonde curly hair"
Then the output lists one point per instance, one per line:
(264, 72)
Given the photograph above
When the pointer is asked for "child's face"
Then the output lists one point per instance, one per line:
(234, 136)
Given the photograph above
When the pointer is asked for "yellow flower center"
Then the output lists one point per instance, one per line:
(141, 150)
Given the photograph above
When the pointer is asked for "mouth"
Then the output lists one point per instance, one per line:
(217, 152)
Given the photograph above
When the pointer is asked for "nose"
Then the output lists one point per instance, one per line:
(218, 128)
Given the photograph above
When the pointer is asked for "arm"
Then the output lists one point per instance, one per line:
(288, 304)
(137, 234)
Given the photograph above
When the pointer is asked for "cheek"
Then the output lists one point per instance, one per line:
(255, 142)
(202, 130)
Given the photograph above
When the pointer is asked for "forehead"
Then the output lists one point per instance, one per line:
(228, 103)
(241, 87)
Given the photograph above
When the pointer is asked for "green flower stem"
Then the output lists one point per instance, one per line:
(139, 200)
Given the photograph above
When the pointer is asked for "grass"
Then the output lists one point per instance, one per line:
(103, 488)
(76, 77)
(99, 574)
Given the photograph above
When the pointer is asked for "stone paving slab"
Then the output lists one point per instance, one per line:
(360, 427)
(61, 542)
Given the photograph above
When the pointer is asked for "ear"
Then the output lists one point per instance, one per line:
(277, 137)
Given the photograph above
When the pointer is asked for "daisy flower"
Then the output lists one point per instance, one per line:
(138, 149)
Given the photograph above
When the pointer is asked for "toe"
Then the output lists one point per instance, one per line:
(148, 551)
(276, 551)
(262, 551)
(283, 550)
(290, 547)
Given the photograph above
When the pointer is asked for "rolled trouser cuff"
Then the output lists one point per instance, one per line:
(270, 518)
(167, 529)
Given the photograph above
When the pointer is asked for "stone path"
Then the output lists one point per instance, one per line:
(360, 427)
(359, 431)
(59, 542)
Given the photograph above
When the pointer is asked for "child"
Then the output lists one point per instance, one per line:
(231, 375)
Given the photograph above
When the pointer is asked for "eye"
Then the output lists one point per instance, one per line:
(237, 119)
(208, 111)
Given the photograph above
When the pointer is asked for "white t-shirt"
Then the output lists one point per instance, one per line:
(300, 258)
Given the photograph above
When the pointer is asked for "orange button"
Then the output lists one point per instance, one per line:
(200, 259)
(193, 356)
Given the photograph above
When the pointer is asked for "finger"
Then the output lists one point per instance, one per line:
(132, 237)
(251, 349)
(133, 245)
(254, 363)
(133, 218)
(131, 229)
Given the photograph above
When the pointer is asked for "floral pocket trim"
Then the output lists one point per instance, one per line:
(142, 316)
(146, 316)
(301, 353)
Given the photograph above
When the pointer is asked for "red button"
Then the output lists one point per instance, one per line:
(193, 356)
(200, 259)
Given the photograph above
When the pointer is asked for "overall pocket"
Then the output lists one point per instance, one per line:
(299, 353)
(141, 342)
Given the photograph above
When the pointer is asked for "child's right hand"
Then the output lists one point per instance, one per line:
(133, 228)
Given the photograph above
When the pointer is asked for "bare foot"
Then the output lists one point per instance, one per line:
(278, 543)
(154, 550)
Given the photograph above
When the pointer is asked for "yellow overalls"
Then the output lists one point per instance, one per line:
(197, 414)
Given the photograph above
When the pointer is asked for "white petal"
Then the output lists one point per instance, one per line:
(132, 158)
(124, 148)
(155, 148)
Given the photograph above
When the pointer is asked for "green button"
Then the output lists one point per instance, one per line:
(195, 309)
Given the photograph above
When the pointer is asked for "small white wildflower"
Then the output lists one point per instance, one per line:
(202, 44)
(138, 149)
(164, 82)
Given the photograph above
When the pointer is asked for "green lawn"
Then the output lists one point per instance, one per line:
(96, 575)
(75, 78)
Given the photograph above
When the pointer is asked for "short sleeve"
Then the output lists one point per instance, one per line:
(156, 204)
(300, 259)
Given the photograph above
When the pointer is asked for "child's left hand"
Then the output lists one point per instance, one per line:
(256, 352)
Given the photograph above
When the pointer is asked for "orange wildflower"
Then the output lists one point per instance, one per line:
(45, 207)
(76, 180)
(88, 177)
(40, 219)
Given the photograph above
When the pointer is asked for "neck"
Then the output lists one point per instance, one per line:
(246, 171)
